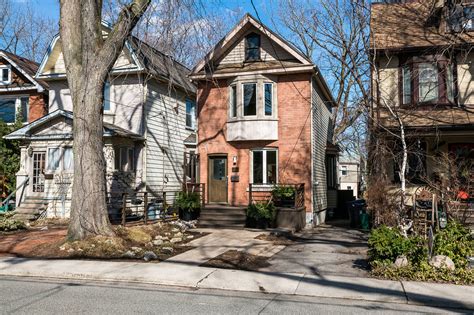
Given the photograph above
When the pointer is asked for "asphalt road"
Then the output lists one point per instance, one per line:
(37, 296)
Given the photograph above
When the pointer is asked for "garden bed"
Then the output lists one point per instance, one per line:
(154, 242)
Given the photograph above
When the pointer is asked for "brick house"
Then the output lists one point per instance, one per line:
(20, 93)
(264, 118)
(423, 71)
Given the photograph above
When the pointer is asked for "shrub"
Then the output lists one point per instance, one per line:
(280, 192)
(261, 210)
(386, 244)
(7, 223)
(188, 201)
(456, 242)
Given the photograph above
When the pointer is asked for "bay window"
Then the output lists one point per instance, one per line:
(233, 101)
(250, 99)
(268, 98)
(426, 80)
(264, 166)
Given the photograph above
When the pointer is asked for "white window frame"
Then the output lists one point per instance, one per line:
(130, 166)
(264, 166)
(9, 67)
(344, 168)
(17, 99)
(243, 98)
(59, 168)
(108, 86)
(272, 98)
(63, 157)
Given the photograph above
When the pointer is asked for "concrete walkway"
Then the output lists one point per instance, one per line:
(188, 275)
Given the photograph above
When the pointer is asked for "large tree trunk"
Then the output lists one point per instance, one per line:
(89, 58)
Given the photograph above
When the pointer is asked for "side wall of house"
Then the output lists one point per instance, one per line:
(321, 132)
(165, 122)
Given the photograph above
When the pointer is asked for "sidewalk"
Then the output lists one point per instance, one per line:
(183, 274)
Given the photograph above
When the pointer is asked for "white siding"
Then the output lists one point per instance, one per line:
(165, 113)
(321, 120)
(126, 99)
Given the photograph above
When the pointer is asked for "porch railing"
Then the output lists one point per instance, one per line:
(22, 186)
(263, 193)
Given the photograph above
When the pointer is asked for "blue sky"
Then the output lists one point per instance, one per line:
(50, 8)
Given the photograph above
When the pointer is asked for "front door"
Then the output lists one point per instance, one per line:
(217, 179)
(37, 176)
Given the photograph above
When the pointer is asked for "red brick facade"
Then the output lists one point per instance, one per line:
(294, 135)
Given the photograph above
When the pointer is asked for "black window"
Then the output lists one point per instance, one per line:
(5, 75)
(233, 101)
(258, 167)
(268, 99)
(24, 108)
(252, 47)
(250, 99)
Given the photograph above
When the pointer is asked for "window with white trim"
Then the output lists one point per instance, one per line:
(344, 170)
(68, 160)
(250, 99)
(106, 97)
(124, 159)
(190, 114)
(11, 108)
(264, 166)
(268, 98)
(5, 75)
(54, 158)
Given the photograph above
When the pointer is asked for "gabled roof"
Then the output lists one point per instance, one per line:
(248, 21)
(26, 67)
(27, 132)
(144, 57)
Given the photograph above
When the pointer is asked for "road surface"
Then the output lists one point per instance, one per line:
(40, 296)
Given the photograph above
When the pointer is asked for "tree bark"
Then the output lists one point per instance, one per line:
(89, 58)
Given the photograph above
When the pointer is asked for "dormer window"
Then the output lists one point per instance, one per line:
(5, 75)
(252, 47)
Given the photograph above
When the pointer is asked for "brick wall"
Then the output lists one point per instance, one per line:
(294, 135)
(37, 106)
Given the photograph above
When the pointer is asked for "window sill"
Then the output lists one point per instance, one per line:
(191, 128)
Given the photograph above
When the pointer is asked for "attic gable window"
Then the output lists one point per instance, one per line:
(5, 75)
(252, 47)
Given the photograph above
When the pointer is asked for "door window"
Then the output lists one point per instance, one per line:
(218, 169)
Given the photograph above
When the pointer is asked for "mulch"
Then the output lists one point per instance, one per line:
(234, 259)
(22, 243)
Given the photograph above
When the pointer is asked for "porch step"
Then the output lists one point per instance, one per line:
(215, 216)
(31, 208)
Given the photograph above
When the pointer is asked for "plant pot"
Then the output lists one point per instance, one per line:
(262, 224)
(188, 214)
(250, 222)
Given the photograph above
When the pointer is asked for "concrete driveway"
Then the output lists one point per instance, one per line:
(325, 250)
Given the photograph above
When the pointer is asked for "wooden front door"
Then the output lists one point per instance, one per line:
(37, 176)
(217, 179)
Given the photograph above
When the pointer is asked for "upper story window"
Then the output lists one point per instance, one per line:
(107, 97)
(252, 47)
(5, 75)
(233, 101)
(250, 99)
(190, 114)
(427, 81)
(11, 108)
(268, 98)
(344, 170)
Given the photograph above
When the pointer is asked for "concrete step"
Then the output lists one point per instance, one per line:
(221, 226)
(223, 212)
(222, 215)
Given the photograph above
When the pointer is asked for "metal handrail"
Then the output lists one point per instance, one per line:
(24, 183)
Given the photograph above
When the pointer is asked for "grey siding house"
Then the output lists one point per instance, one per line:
(149, 119)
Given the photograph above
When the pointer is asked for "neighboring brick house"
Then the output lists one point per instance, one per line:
(20, 93)
(264, 118)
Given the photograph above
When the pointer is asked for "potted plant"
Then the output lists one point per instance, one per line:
(284, 196)
(189, 205)
(260, 215)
